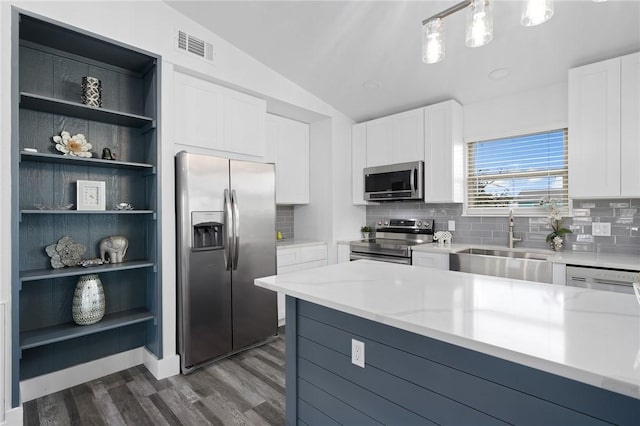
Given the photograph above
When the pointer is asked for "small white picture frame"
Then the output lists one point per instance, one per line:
(91, 195)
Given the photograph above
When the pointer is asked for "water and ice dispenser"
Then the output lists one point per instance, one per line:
(208, 230)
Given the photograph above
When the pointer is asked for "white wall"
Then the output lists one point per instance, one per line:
(330, 215)
(151, 25)
(526, 112)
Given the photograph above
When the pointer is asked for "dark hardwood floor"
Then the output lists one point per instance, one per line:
(244, 389)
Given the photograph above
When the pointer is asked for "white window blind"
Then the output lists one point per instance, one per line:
(517, 173)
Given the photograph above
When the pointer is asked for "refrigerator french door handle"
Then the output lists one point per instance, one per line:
(236, 230)
(228, 229)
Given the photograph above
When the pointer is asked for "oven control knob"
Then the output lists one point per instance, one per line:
(419, 224)
(427, 225)
(379, 223)
(386, 223)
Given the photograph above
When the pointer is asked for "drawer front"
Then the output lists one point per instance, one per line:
(309, 254)
(288, 256)
(431, 260)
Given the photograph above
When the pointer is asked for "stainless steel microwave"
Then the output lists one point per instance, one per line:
(394, 182)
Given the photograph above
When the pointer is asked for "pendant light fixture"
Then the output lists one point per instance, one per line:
(536, 12)
(479, 29)
(479, 23)
(433, 41)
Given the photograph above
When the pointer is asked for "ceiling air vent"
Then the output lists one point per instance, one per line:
(191, 44)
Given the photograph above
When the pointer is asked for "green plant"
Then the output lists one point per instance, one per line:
(366, 229)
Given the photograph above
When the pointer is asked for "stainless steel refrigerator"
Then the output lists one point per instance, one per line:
(226, 239)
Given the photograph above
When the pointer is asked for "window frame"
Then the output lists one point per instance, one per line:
(540, 211)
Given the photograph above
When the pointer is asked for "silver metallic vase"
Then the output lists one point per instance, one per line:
(88, 300)
(91, 92)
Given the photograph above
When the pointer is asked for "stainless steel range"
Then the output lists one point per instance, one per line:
(393, 240)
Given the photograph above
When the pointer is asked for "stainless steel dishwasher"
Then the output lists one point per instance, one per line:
(618, 280)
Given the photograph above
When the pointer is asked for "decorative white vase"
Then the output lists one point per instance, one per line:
(88, 300)
(557, 244)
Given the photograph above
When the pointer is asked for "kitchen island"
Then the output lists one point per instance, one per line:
(445, 347)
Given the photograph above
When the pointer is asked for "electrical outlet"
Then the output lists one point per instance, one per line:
(357, 353)
(601, 229)
(452, 225)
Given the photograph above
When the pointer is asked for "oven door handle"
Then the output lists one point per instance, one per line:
(381, 258)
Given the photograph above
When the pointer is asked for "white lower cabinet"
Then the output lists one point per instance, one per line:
(291, 259)
(344, 252)
(431, 260)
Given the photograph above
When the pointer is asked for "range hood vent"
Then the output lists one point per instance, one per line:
(191, 44)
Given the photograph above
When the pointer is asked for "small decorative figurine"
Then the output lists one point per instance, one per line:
(442, 237)
(124, 206)
(95, 261)
(113, 249)
(106, 154)
(65, 252)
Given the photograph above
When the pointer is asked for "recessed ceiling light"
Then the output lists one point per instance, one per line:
(371, 85)
(499, 73)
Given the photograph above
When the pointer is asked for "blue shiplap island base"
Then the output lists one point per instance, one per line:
(411, 379)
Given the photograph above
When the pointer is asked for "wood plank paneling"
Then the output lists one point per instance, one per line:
(560, 400)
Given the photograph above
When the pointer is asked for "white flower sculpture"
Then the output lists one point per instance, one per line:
(75, 146)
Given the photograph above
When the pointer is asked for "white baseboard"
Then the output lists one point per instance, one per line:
(163, 368)
(72, 376)
(13, 417)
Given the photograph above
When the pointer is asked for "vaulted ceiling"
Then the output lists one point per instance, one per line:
(363, 57)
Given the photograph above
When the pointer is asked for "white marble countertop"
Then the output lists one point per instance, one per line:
(296, 242)
(602, 260)
(587, 335)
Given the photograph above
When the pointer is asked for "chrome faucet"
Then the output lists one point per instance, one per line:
(512, 239)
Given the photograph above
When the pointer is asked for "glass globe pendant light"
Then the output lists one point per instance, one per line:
(536, 12)
(479, 23)
(433, 41)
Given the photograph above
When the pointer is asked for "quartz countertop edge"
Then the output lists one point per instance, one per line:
(410, 299)
(297, 243)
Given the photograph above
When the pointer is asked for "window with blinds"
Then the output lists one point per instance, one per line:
(517, 173)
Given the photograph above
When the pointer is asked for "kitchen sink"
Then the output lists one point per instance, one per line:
(503, 263)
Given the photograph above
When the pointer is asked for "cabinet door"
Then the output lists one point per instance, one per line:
(244, 123)
(344, 253)
(358, 162)
(271, 151)
(408, 136)
(443, 153)
(198, 106)
(431, 260)
(594, 130)
(379, 142)
(292, 162)
(630, 126)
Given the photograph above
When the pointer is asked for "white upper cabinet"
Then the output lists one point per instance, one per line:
(443, 153)
(630, 122)
(214, 117)
(198, 106)
(358, 162)
(288, 142)
(432, 134)
(408, 136)
(604, 135)
(379, 142)
(244, 124)
(394, 139)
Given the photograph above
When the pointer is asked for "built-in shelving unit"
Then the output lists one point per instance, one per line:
(49, 61)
